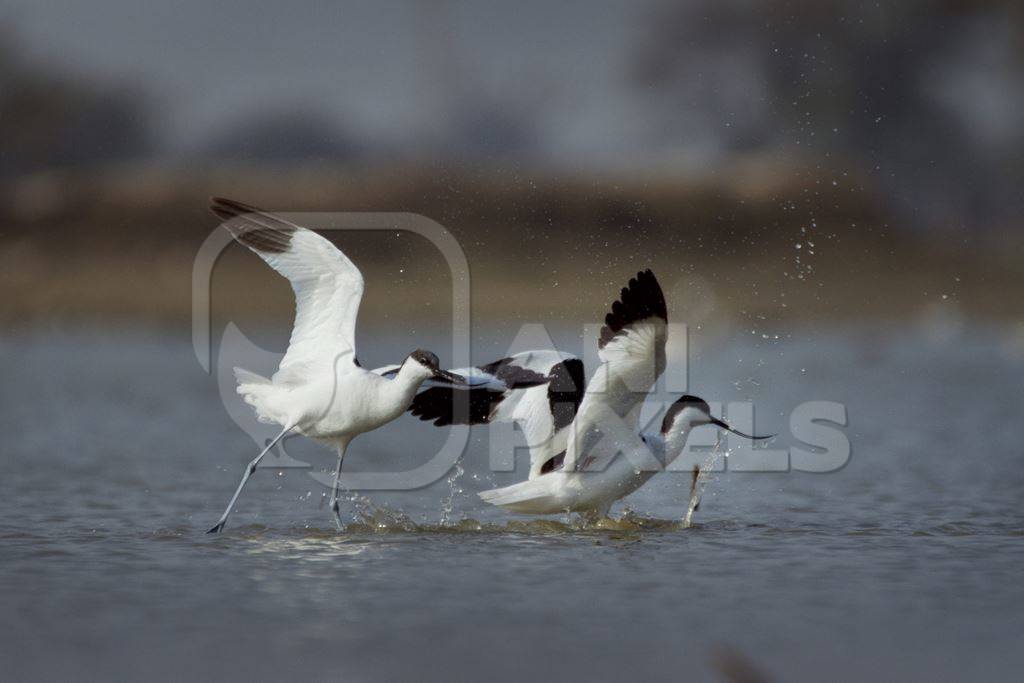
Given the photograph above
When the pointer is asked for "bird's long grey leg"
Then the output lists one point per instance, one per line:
(335, 508)
(249, 469)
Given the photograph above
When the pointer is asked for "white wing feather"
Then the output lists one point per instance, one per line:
(632, 352)
(328, 287)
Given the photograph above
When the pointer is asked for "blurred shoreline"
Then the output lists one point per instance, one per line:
(756, 240)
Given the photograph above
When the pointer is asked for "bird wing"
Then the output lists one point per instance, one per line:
(328, 286)
(505, 380)
(539, 390)
(473, 377)
(388, 371)
(632, 353)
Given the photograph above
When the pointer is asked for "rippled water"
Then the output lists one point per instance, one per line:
(905, 564)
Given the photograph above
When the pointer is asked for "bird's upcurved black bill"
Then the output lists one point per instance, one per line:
(449, 377)
(719, 423)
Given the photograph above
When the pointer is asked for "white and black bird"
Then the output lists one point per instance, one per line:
(319, 391)
(606, 458)
(538, 390)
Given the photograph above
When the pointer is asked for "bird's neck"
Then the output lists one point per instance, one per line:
(669, 446)
(403, 387)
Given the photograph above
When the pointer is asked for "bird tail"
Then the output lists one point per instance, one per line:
(245, 377)
(535, 496)
(254, 390)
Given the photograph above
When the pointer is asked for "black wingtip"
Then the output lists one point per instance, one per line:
(456, 405)
(640, 299)
(255, 228)
(511, 375)
(223, 206)
(474, 405)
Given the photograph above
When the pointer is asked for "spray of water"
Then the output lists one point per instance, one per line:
(700, 480)
(448, 505)
(373, 517)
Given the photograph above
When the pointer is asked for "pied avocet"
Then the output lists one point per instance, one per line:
(596, 456)
(319, 391)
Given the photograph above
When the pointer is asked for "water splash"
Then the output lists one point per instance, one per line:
(448, 504)
(369, 515)
(701, 480)
(378, 520)
(388, 521)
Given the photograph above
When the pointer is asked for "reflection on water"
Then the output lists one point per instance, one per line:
(327, 545)
(312, 548)
(903, 565)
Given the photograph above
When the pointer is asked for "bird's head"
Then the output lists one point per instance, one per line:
(689, 412)
(426, 366)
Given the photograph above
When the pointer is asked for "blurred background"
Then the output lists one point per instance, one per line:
(799, 159)
(830, 192)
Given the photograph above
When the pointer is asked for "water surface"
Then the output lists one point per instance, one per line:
(905, 564)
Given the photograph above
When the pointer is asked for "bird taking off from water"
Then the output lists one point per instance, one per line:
(604, 457)
(319, 391)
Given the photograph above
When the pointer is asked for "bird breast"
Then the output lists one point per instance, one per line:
(357, 402)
